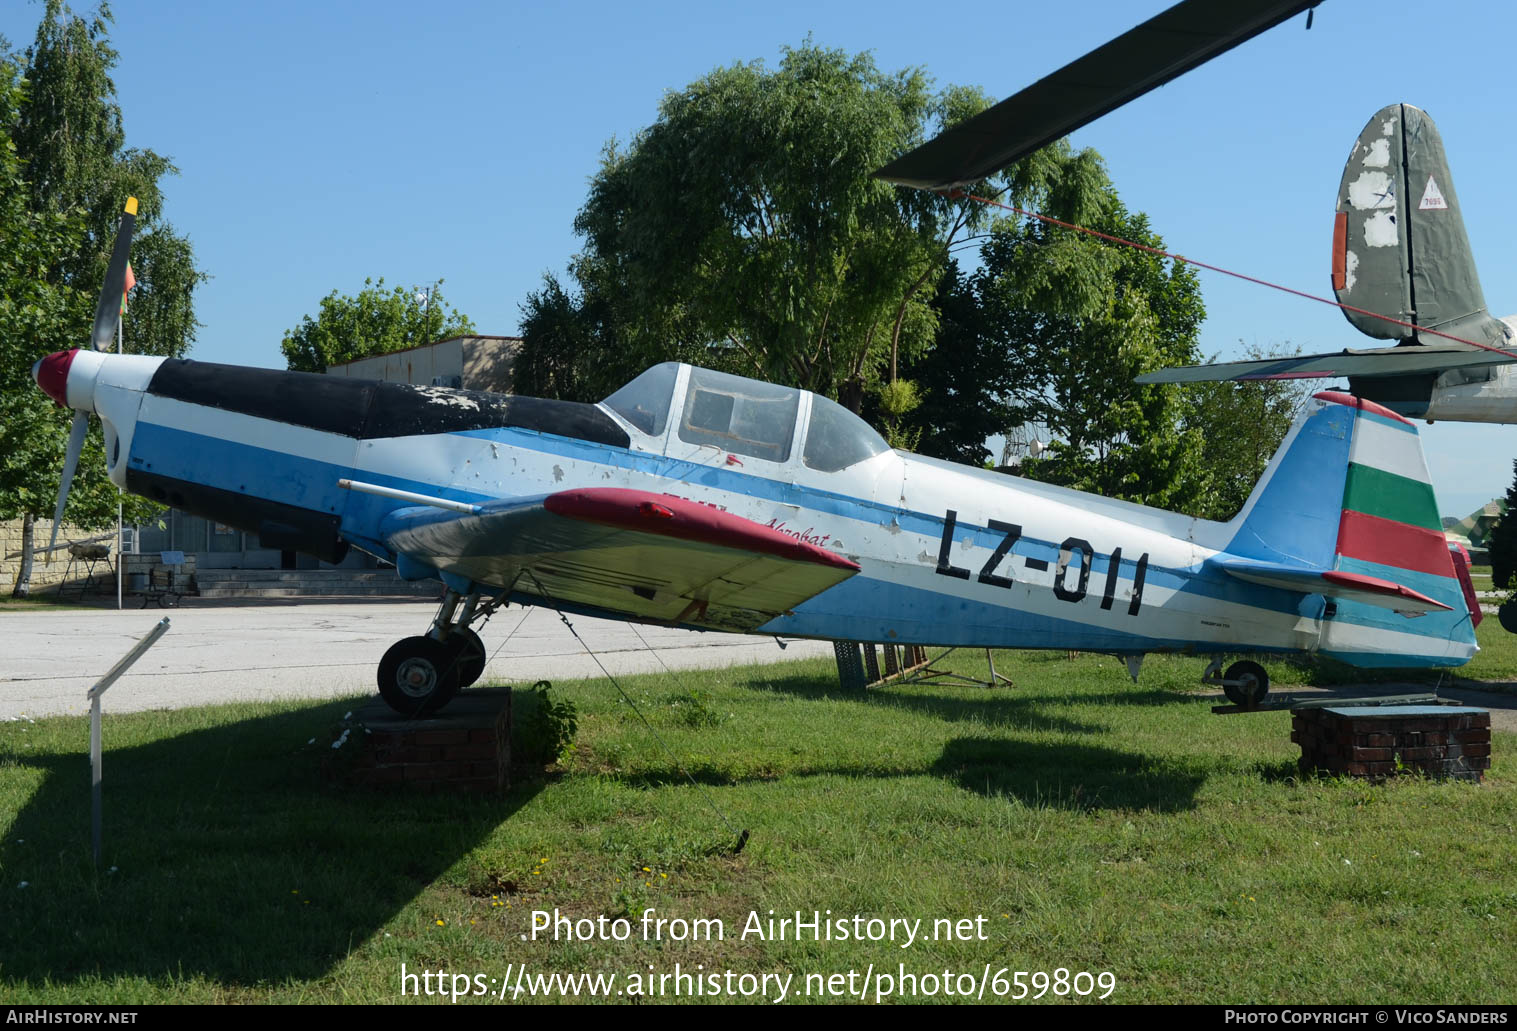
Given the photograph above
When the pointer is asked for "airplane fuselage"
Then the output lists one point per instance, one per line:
(948, 555)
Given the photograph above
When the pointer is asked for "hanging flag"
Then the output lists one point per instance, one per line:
(131, 281)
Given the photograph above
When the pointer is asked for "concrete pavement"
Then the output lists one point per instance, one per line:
(50, 657)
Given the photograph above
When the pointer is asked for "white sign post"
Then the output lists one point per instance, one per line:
(94, 698)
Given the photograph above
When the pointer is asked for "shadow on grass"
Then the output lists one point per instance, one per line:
(237, 858)
(993, 707)
(1069, 776)
(1039, 775)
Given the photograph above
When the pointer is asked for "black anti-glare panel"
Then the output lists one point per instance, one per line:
(1168, 45)
(368, 409)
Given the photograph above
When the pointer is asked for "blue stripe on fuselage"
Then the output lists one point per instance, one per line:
(865, 608)
(310, 483)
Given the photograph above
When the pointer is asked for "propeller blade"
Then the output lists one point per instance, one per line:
(108, 309)
(76, 434)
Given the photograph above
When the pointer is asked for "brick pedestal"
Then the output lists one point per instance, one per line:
(466, 747)
(1382, 741)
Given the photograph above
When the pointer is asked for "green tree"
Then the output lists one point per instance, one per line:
(966, 380)
(66, 177)
(34, 319)
(1502, 542)
(70, 137)
(568, 347)
(375, 321)
(744, 230)
(1082, 317)
(1241, 426)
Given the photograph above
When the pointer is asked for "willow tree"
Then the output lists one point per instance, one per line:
(744, 229)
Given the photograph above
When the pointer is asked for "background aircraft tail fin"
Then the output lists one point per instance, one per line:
(1399, 244)
(1346, 511)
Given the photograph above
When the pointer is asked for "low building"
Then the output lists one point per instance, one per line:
(468, 362)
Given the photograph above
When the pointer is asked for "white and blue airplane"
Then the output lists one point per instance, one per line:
(707, 500)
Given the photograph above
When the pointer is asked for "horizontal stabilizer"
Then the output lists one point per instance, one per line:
(1381, 361)
(1333, 583)
(629, 552)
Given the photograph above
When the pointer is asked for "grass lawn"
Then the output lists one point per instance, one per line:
(1095, 825)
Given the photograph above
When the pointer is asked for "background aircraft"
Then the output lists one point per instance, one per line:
(1403, 270)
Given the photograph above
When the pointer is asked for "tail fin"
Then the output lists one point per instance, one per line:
(1399, 245)
(1346, 511)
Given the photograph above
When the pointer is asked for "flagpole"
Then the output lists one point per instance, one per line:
(120, 558)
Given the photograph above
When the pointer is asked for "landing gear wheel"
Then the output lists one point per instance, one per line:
(469, 652)
(1507, 616)
(1252, 684)
(418, 676)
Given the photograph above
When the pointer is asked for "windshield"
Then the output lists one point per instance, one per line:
(645, 401)
(836, 438)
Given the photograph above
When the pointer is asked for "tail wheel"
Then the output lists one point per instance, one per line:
(469, 653)
(1246, 684)
(1507, 615)
(418, 676)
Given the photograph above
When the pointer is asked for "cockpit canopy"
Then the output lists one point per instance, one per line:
(745, 417)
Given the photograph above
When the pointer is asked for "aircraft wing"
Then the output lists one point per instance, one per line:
(1334, 583)
(630, 552)
(1166, 46)
(1405, 360)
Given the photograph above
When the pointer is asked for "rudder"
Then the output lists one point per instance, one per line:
(1346, 510)
(1399, 244)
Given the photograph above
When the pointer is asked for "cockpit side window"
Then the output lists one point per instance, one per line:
(740, 415)
(645, 401)
(836, 438)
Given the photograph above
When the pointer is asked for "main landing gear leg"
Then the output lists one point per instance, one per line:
(420, 675)
(1245, 683)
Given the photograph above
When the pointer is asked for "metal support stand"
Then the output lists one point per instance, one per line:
(925, 669)
(850, 665)
(93, 695)
(904, 663)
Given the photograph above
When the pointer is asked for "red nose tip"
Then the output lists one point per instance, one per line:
(51, 374)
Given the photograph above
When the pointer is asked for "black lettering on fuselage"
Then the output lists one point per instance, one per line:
(1011, 532)
(1113, 567)
(1066, 552)
(1137, 585)
(944, 566)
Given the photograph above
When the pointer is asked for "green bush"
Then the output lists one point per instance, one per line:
(542, 729)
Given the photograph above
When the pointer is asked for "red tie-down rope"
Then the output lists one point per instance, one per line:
(960, 194)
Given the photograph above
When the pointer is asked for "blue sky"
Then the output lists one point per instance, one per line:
(320, 143)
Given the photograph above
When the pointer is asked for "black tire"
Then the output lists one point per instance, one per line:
(469, 652)
(418, 676)
(1507, 616)
(1253, 684)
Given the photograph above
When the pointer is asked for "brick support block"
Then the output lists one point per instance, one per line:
(1380, 742)
(466, 747)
